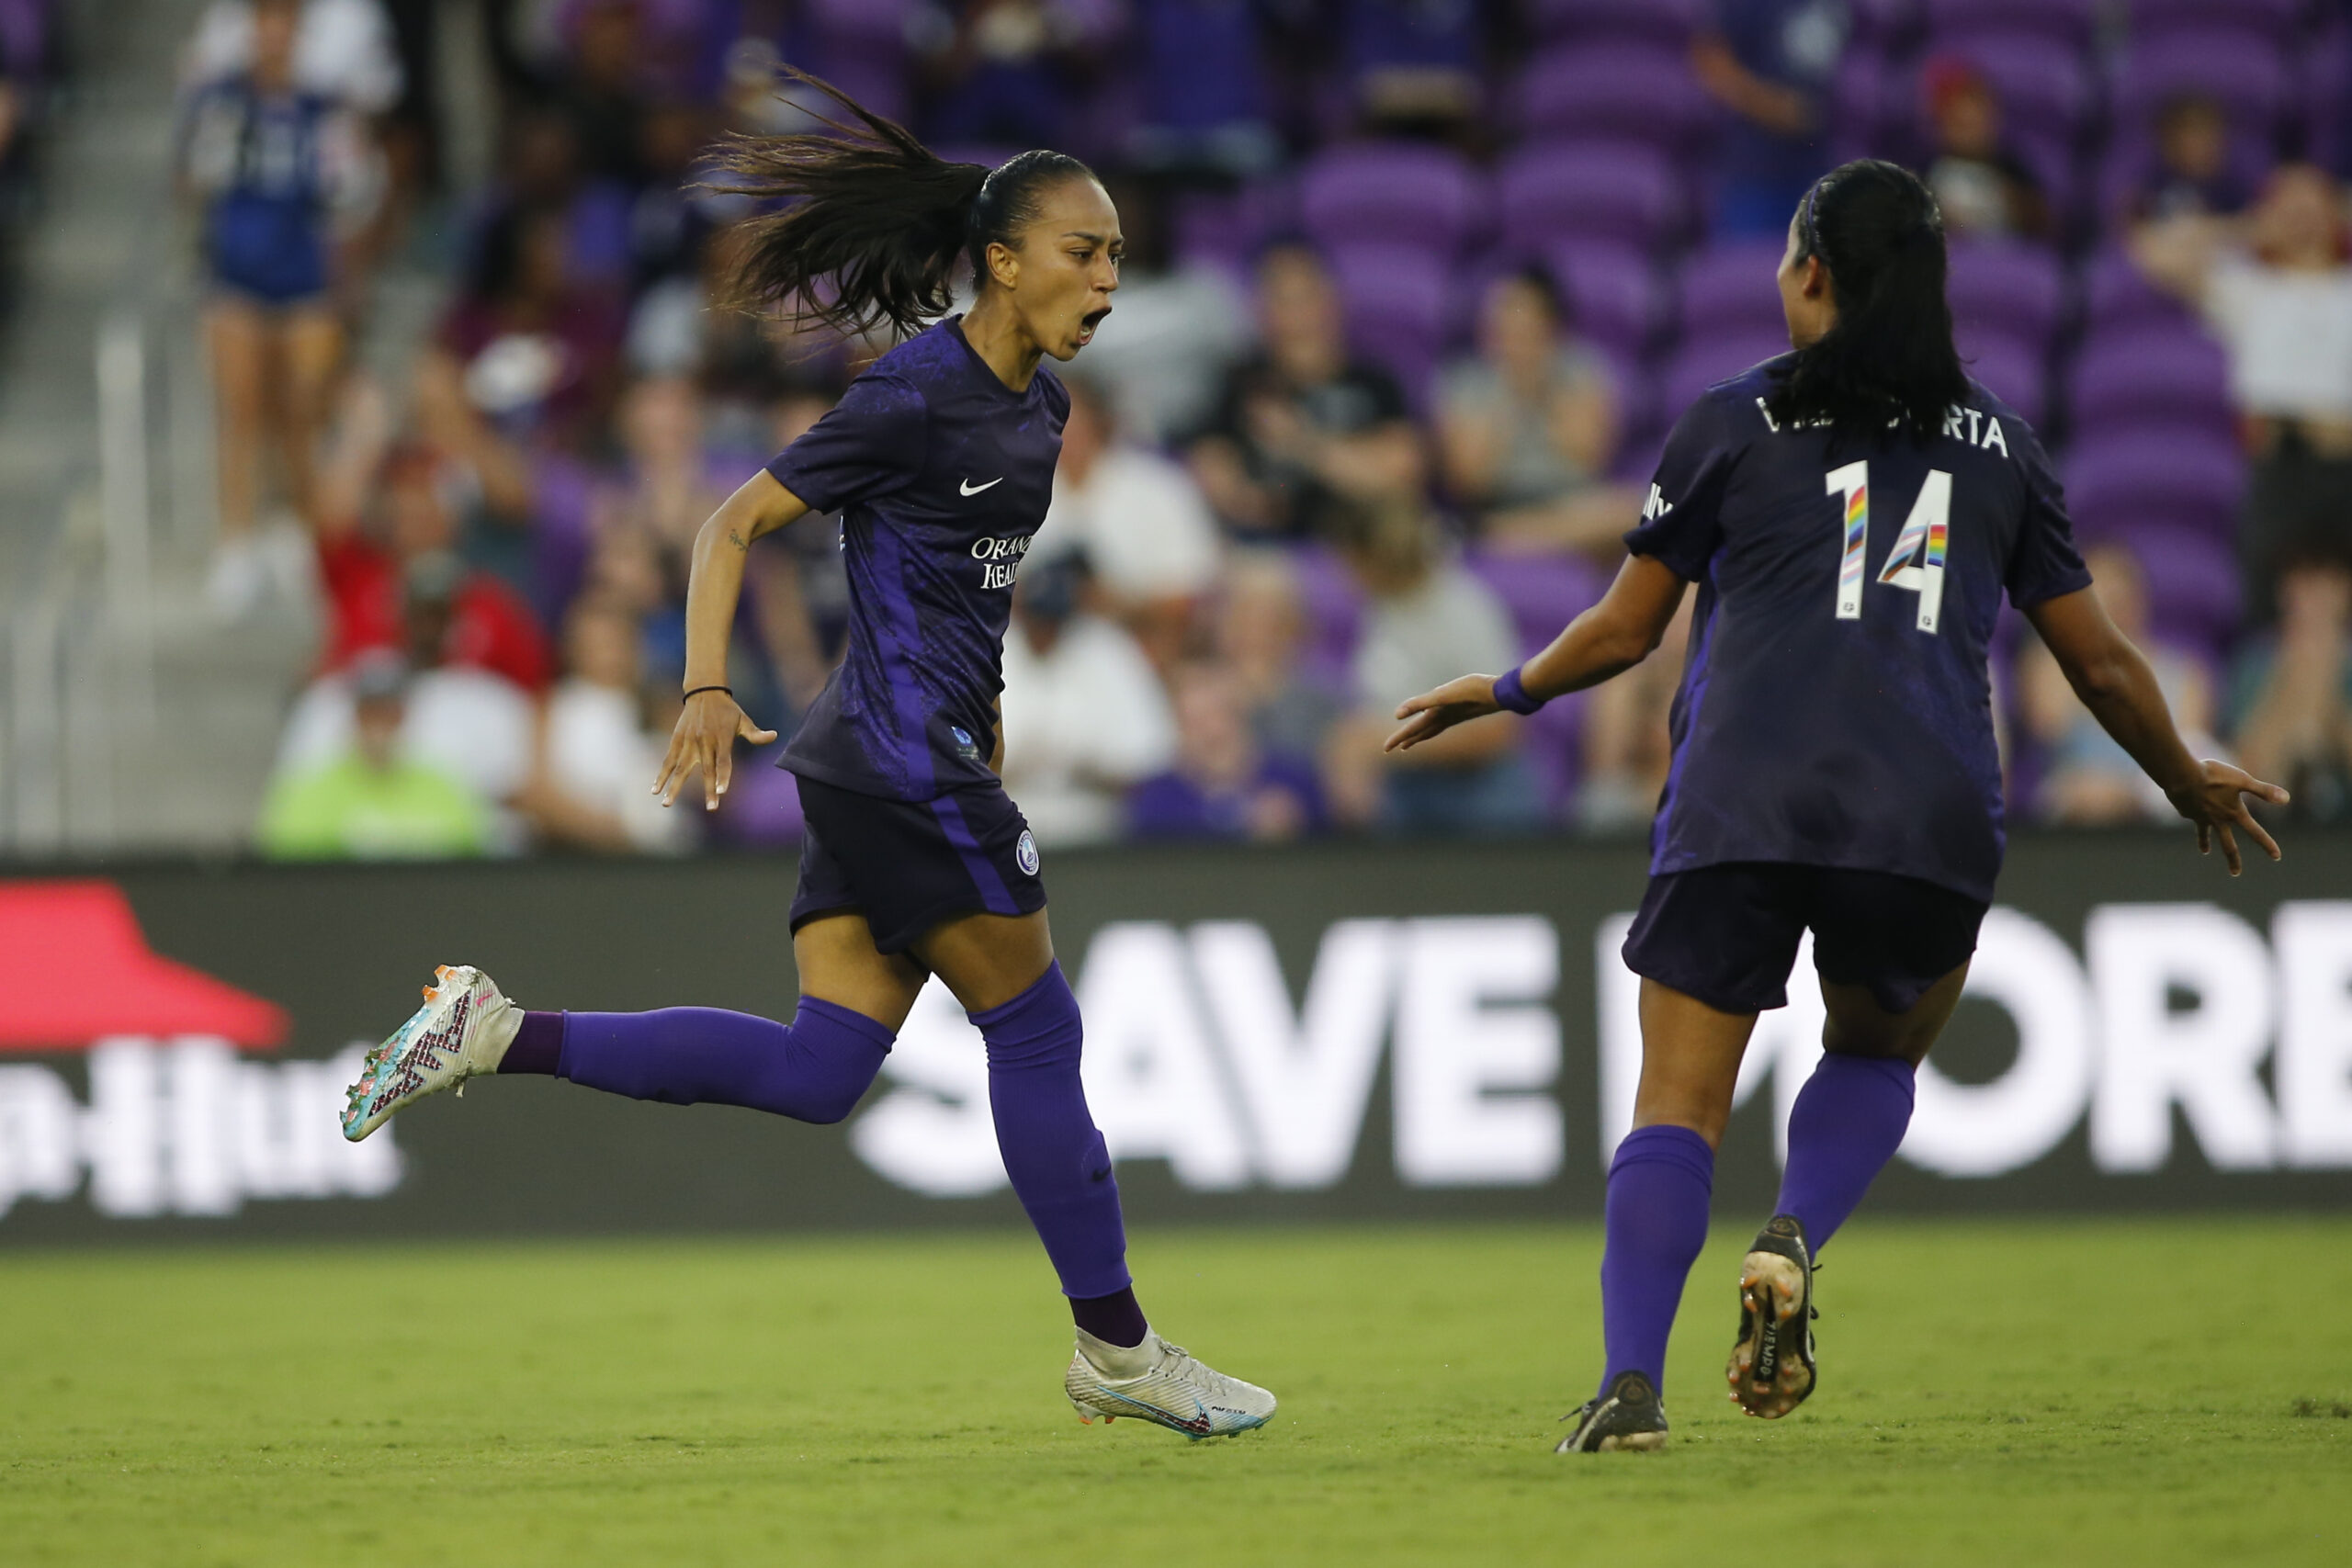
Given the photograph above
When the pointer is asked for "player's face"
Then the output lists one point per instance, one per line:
(1805, 299)
(1067, 266)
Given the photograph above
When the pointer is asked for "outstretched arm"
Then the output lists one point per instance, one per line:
(2114, 682)
(1611, 637)
(704, 739)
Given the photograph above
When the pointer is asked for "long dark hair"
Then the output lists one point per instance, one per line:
(1888, 360)
(864, 223)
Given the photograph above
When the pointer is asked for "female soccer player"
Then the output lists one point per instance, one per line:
(1851, 513)
(941, 460)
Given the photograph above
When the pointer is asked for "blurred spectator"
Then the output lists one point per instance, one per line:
(1139, 521)
(365, 567)
(1528, 429)
(1177, 328)
(525, 361)
(367, 799)
(2189, 174)
(1003, 72)
(1223, 785)
(1083, 716)
(2087, 779)
(796, 579)
(1772, 63)
(602, 92)
(1260, 625)
(274, 166)
(1414, 65)
(1206, 113)
(1302, 421)
(1427, 621)
(343, 50)
(1983, 187)
(2276, 288)
(2291, 693)
(474, 726)
(1627, 737)
(591, 784)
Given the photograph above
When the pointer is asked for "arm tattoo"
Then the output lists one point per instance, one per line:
(735, 537)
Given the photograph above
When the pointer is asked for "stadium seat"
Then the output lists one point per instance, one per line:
(1613, 296)
(1392, 193)
(2278, 20)
(1333, 608)
(2194, 596)
(1703, 361)
(2180, 476)
(860, 46)
(2242, 70)
(1729, 288)
(1543, 593)
(1668, 22)
(1397, 299)
(2046, 92)
(2063, 24)
(1620, 191)
(2006, 289)
(1630, 91)
(2116, 296)
(2153, 373)
(2017, 374)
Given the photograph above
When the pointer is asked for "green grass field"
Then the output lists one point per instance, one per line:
(2142, 1393)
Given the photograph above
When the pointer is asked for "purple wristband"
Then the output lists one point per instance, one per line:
(1512, 693)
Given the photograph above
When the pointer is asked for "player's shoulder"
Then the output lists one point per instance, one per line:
(1054, 390)
(1733, 411)
(933, 357)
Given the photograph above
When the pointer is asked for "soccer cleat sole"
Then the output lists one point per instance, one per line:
(1771, 1367)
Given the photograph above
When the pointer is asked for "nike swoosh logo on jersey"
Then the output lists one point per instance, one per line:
(968, 488)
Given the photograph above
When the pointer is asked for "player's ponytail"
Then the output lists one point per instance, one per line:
(1888, 360)
(864, 223)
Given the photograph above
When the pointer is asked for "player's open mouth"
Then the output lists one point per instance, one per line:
(1087, 323)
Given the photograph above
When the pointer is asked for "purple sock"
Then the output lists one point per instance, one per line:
(1658, 1186)
(1847, 1122)
(1115, 1319)
(537, 1046)
(812, 1069)
(1059, 1165)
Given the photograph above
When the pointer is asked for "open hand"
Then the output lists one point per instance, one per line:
(704, 741)
(2216, 802)
(1431, 714)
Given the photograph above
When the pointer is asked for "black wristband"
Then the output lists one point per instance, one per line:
(699, 691)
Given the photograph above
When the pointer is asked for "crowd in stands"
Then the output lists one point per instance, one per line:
(1414, 288)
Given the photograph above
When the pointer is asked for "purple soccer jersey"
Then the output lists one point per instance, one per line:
(1836, 706)
(941, 474)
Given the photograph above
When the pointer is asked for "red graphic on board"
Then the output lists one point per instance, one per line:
(81, 970)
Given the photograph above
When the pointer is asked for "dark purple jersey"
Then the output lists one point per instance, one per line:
(941, 473)
(1836, 705)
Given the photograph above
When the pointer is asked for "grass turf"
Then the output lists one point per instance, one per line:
(2022, 1393)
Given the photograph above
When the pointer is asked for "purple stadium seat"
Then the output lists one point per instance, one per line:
(2129, 161)
(860, 46)
(2045, 92)
(2246, 72)
(1668, 22)
(2155, 373)
(2005, 289)
(1729, 288)
(1624, 90)
(2066, 24)
(2181, 476)
(1333, 608)
(1703, 361)
(2117, 296)
(2278, 20)
(2015, 373)
(1544, 594)
(1396, 299)
(1392, 193)
(2194, 596)
(1613, 293)
(1624, 192)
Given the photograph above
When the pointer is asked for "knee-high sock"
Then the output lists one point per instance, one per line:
(812, 1069)
(1658, 1186)
(1059, 1165)
(1846, 1124)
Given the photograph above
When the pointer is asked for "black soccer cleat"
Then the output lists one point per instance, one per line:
(1628, 1417)
(1772, 1370)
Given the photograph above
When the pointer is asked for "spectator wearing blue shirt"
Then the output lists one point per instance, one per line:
(1770, 62)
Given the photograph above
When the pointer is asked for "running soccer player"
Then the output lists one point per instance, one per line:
(939, 460)
(1851, 511)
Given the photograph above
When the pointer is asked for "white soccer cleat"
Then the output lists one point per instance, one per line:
(462, 1030)
(1157, 1381)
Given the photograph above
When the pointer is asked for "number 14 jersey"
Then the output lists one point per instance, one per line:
(1836, 706)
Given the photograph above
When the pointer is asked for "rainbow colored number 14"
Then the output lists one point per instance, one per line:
(1916, 562)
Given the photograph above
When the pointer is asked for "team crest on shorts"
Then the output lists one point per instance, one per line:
(1025, 851)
